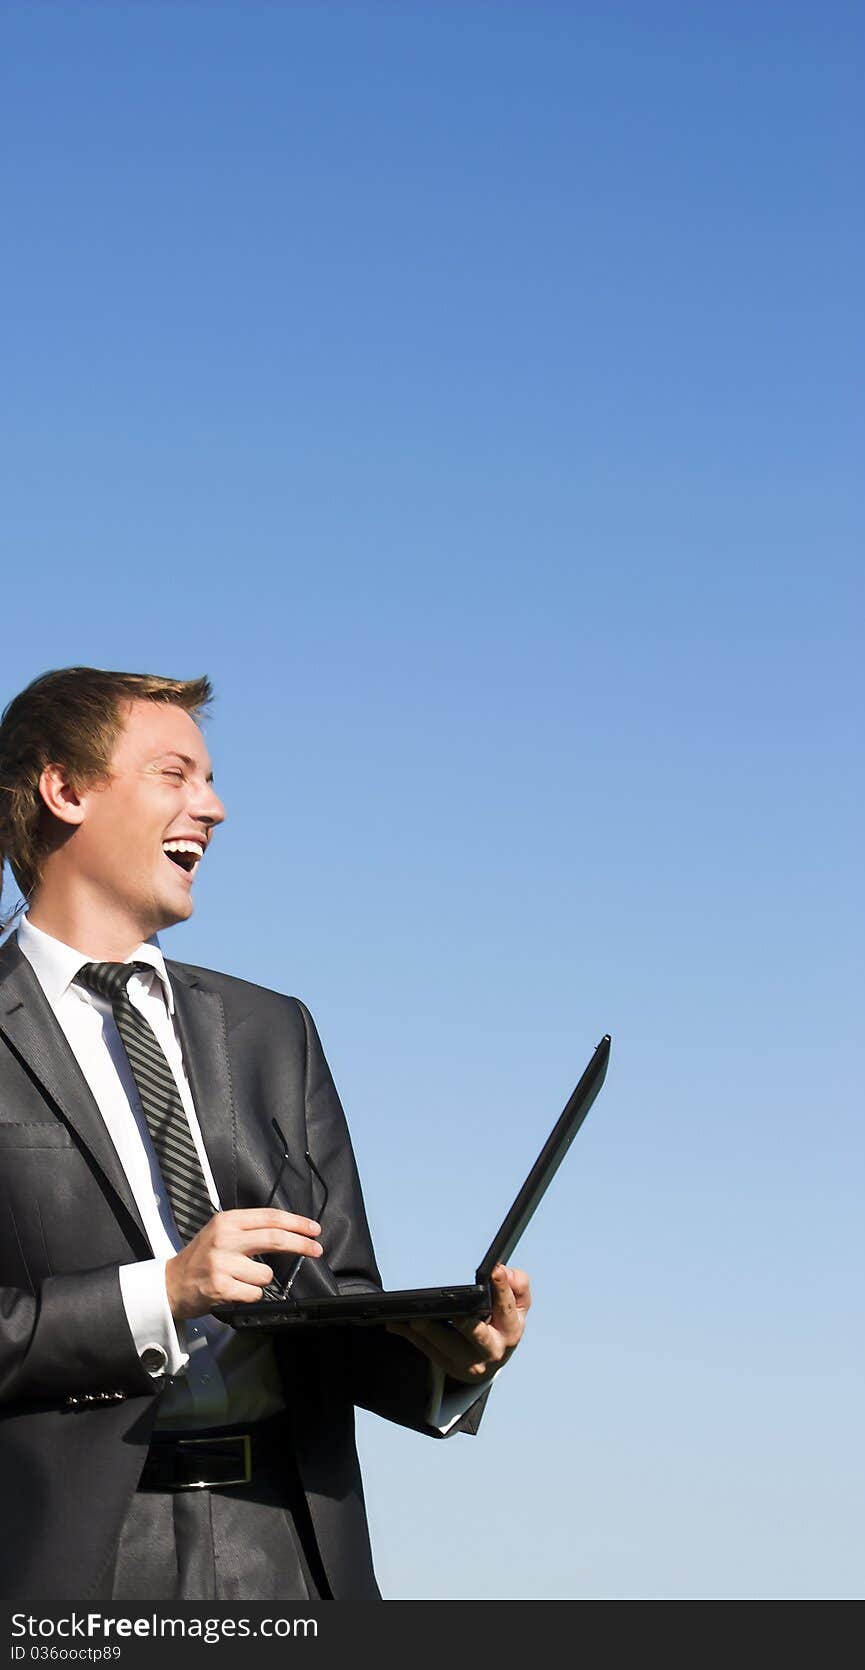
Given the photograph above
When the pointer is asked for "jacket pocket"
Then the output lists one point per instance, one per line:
(38, 1133)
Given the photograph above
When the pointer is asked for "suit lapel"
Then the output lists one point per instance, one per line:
(201, 1024)
(32, 1028)
(29, 1023)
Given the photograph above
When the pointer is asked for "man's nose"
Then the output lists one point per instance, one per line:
(209, 810)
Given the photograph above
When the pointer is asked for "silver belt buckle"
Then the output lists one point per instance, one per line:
(243, 1477)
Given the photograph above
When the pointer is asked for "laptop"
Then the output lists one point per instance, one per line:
(318, 1298)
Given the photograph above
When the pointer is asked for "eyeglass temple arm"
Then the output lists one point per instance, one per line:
(287, 1284)
(282, 1164)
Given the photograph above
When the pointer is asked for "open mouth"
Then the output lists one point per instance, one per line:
(184, 855)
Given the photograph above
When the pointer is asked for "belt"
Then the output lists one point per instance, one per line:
(207, 1460)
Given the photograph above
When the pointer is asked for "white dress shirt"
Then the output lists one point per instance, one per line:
(217, 1375)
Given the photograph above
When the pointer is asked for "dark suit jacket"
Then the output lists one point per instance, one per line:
(76, 1407)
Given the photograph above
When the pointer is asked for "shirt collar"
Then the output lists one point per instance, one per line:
(56, 964)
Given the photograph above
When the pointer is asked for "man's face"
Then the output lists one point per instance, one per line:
(160, 791)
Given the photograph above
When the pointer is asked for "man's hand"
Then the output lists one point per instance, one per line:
(217, 1264)
(472, 1351)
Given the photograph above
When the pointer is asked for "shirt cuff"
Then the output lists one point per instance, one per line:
(447, 1405)
(145, 1299)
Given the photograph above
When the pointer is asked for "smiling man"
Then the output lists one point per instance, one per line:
(147, 1450)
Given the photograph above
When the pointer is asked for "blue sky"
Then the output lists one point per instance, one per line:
(474, 392)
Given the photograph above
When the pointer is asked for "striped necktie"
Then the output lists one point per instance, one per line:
(160, 1098)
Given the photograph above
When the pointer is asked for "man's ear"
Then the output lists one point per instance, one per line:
(61, 796)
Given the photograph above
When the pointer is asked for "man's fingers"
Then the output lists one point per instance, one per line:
(462, 1358)
(479, 1334)
(244, 1269)
(239, 1280)
(465, 1348)
(521, 1288)
(270, 1217)
(263, 1231)
(504, 1316)
(451, 1353)
(502, 1294)
(277, 1240)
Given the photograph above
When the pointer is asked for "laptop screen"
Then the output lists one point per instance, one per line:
(547, 1163)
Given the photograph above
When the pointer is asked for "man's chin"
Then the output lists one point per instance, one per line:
(174, 910)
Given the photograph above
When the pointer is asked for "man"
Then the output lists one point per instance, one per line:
(138, 1162)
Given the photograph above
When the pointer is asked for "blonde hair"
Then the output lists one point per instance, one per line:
(72, 717)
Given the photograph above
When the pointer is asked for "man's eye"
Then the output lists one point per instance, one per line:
(173, 774)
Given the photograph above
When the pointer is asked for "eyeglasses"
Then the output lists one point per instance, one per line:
(287, 1284)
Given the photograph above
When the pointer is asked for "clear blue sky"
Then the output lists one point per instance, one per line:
(474, 392)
